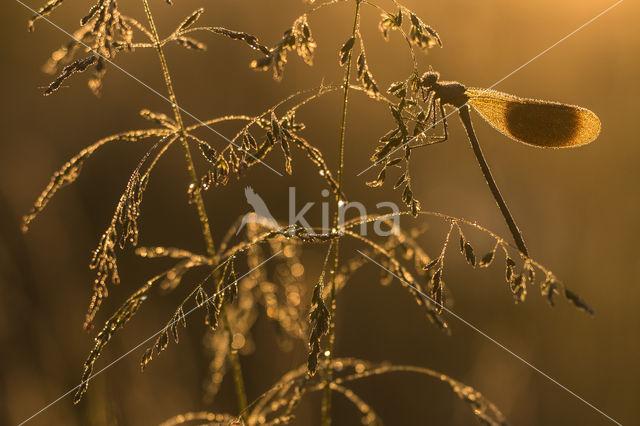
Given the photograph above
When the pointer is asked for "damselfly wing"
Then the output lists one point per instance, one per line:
(534, 122)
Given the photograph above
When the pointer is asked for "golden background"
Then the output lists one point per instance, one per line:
(578, 209)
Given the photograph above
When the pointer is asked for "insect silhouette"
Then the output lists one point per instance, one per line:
(533, 122)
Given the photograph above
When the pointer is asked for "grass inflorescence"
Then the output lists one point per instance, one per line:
(227, 297)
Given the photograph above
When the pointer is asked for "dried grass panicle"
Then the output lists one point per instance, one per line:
(395, 269)
(288, 133)
(173, 277)
(104, 31)
(415, 117)
(159, 118)
(76, 66)
(189, 20)
(249, 39)
(390, 22)
(280, 295)
(186, 27)
(298, 38)
(70, 171)
(519, 275)
(213, 305)
(229, 302)
(400, 247)
(127, 211)
(126, 311)
(364, 75)
(275, 406)
(45, 10)
(319, 318)
(122, 229)
(422, 35)
(246, 150)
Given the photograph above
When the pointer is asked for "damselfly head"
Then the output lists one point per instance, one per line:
(429, 78)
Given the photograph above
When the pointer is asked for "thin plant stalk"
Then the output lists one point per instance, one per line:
(326, 399)
(241, 394)
(465, 117)
(202, 213)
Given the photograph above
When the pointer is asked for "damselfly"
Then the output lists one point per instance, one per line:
(533, 122)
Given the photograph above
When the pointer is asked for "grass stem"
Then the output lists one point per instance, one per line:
(326, 399)
(199, 201)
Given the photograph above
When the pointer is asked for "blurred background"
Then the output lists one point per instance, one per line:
(577, 208)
